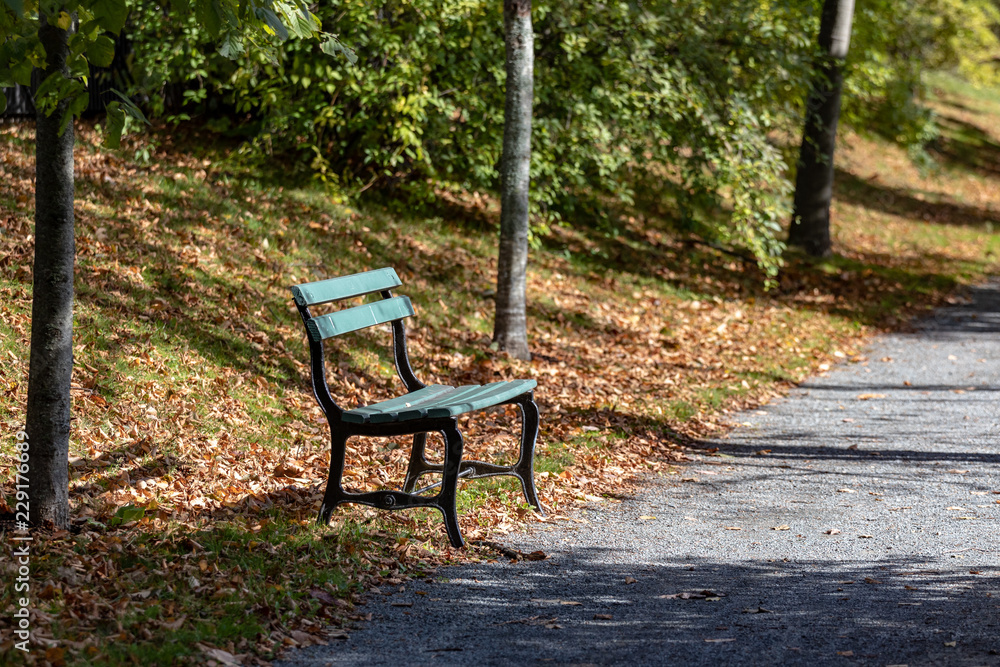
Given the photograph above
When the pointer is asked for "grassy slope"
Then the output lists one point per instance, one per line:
(191, 391)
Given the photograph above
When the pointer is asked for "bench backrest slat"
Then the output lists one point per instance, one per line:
(359, 317)
(345, 287)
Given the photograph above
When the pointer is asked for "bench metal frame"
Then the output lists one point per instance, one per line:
(376, 421)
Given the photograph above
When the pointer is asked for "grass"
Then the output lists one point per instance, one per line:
(196, 429)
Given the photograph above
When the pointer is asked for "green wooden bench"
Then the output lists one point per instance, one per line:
(422, 410)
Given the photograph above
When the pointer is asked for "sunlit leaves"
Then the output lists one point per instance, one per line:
(272, 23)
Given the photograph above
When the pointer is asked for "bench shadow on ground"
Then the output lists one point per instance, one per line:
(759, 611)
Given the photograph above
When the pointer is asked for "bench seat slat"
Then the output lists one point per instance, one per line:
(345, 287)
(361, 415)
(459, 393)
(491, 395)
(393, 413)
(438, 401)
(359, 317)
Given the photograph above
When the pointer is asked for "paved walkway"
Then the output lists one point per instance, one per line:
(868, 535)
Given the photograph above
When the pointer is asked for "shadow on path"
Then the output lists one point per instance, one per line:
(772, 611)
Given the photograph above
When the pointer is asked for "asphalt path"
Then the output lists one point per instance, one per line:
(854, 522)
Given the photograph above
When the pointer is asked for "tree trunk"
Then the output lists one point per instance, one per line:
(814, 181)
(51, 365)
(511, 324)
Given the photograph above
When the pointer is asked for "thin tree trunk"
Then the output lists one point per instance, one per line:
(51, 365)
(511, 324)
(814, 181)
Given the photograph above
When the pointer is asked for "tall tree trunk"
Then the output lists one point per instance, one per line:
(51, 365)
(814, 182)
(510, 330)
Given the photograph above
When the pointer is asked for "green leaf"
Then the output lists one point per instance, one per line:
(16, 6)
(77, 104)
(101, 51)
(273, 22)
(62, 21)
(114, 126)
(110, 14)
(21, 72)
(78, 67)
(332, 46)
(126, 514)
(3, 102)
(209, 14)
(129, 107)
(231, 46)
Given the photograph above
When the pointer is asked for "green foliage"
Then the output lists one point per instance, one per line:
(238, 26)
(895, 42)
(687, 93)
(695, 86)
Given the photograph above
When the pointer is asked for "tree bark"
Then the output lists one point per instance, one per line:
(810, 227)
(510, 330)
(51, 360)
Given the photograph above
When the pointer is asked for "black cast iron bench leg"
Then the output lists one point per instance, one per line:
(419, 465)
(524, 467)
(446, 500)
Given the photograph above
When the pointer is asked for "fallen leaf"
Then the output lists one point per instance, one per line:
(757, 610)
(763, 452)
(225, 657)
(832, 531)
(55, 655)
(400, 604)
(304, 638)
(956, 471)
(951, 643)
(869, 580)
(733, 528)
(781, 527)
(846, 491)
(536, 555)
(865, 537)
(322, 596)
(174, 624)
(846, 654)
(697, 595)
(868, 397)
(602, 617)
(646, 517)
(720, 641)
(630, 580)
(572, 603)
